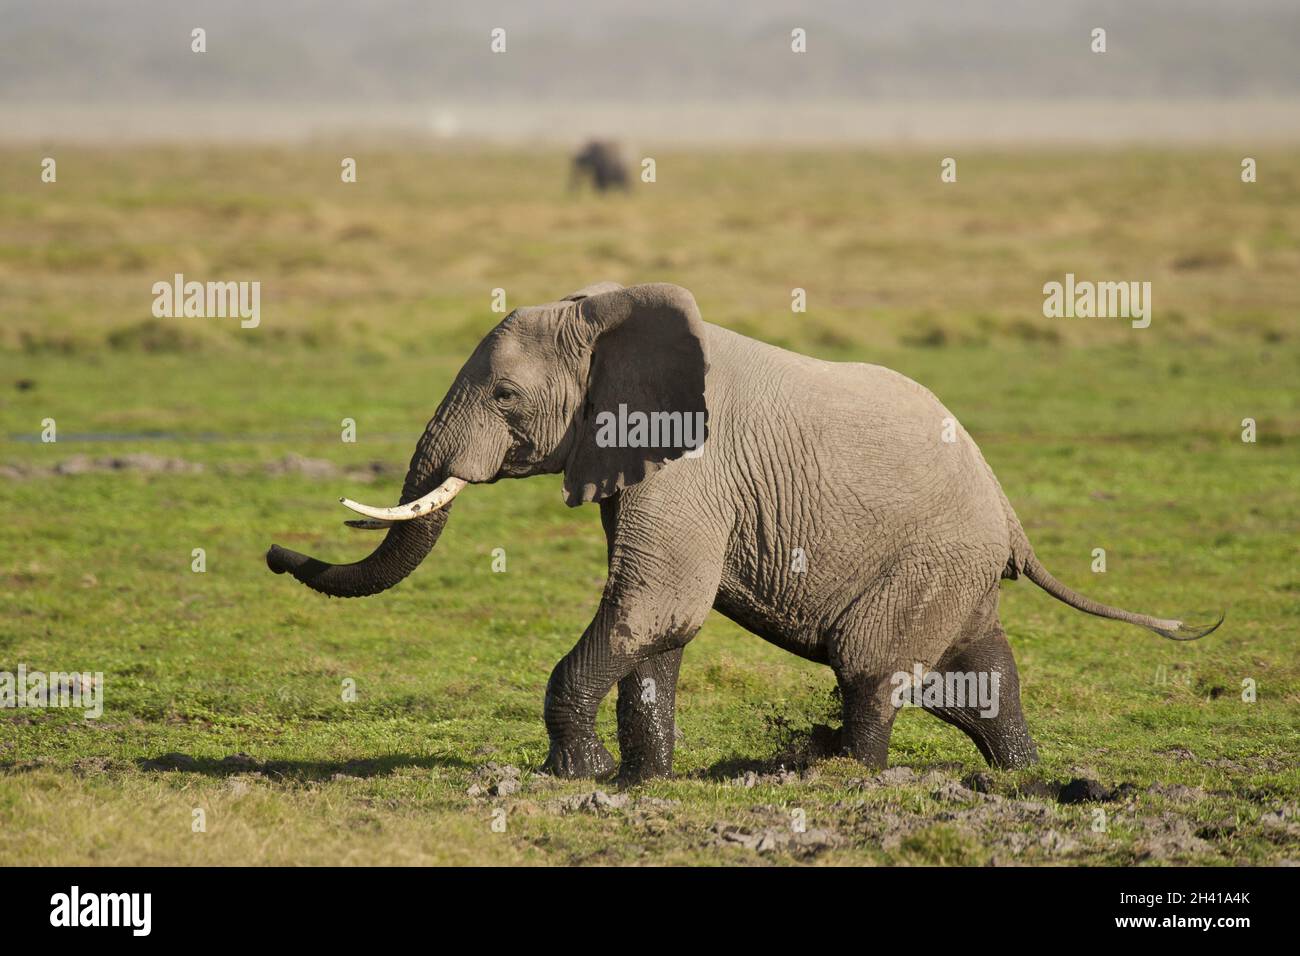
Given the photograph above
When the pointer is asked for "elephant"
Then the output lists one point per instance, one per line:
(837, 510)
(602, 163)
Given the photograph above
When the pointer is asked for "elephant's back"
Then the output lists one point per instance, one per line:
(841, 475)
(856, 448)
(779, 383)
(843, 420)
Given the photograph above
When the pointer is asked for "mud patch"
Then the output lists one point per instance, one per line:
(143, 463)
(893, 777)
(138, 463)
(951, 791)
(1169, 837)
(323, 468)
(769, 839)
(1083, 790)
(1177, 792)
(600, 803)
(750, 779)
(1282, 822)
(496, 780)
(1036, 790)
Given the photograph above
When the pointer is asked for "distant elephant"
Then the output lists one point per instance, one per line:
(600, 162)
(836, 510)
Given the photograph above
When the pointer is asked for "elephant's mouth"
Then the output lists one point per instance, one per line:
(385, 517)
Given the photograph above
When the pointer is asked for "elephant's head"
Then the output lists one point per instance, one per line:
(537, 397)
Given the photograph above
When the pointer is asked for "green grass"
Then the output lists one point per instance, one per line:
(373, 294)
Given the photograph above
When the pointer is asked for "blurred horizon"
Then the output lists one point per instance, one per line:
(987, 70)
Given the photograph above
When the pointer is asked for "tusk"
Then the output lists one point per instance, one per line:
(370, 524)
(431, 502)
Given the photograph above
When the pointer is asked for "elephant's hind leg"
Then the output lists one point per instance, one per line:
(647, 731)
(994, 721)
(868, 717)
(908, 617)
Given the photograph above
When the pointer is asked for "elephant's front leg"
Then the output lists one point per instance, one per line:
(656, 599)
(647, 705)
(622, 639)
(607, 652)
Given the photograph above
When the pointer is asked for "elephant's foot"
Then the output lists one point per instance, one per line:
(1014, 752)
(646, 747)
(635, 777)
(635, 769)
(871, 758)
(581, 759)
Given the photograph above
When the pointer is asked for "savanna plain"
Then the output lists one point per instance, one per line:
(406, 728)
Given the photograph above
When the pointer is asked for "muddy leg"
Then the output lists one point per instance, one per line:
(996, 724)
(647, 703)
(868, 717)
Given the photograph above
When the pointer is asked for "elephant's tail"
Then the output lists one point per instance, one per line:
(1174, 630)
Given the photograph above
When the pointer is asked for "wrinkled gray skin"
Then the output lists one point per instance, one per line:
(904, 535)
(600, 163)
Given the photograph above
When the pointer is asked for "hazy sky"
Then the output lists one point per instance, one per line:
(431, 60)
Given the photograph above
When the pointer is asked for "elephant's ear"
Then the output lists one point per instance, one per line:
(647, 358)
(590, 290)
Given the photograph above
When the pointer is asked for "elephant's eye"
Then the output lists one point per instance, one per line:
(504, 394)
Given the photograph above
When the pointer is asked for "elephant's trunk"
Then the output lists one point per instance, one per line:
(406, 544)
(401, 551)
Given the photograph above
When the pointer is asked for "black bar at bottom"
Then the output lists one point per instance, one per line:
(333, 905)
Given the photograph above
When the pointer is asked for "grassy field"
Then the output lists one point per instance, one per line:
(224, 690)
